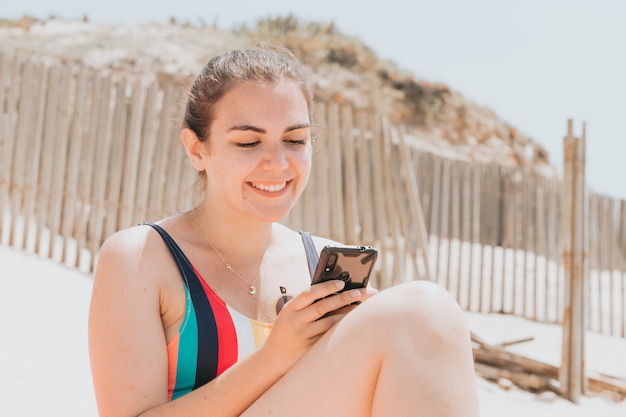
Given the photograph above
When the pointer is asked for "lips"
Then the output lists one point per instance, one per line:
(270, 188)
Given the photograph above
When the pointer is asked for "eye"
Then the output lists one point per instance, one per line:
(247, 144)
(296, 142)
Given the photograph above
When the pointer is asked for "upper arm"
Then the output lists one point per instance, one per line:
(127, 345)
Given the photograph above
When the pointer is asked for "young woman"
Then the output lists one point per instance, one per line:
(183, 318)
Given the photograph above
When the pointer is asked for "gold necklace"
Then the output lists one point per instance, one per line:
(251, 287)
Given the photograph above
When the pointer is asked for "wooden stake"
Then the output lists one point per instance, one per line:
(572, 369)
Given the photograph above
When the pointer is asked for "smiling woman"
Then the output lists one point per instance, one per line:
(259, 147)
(211, 312)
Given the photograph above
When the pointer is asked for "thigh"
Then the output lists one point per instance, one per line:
(337, 376)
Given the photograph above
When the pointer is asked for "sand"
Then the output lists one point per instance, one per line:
(45, 362)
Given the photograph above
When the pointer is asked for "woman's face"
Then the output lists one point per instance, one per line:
(258, 155)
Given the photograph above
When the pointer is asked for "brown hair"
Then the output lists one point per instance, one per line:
(264, 64)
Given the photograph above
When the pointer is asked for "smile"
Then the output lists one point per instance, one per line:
(272, 188)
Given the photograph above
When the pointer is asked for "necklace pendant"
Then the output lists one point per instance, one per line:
(252, 289)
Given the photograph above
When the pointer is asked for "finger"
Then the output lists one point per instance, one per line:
(367, 293)
(318, 328)
(343, 310)
(315, 292)
(332, 303)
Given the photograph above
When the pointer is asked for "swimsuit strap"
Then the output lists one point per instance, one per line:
(311, 252)
(184, 266)
(207, 320)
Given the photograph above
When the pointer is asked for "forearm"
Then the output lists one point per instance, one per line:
(230, 393)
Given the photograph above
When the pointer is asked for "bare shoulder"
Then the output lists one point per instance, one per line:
(125, 242)
(132, 254)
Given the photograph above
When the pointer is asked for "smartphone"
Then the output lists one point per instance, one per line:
(351, 264)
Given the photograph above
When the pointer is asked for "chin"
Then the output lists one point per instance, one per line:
(274, 215)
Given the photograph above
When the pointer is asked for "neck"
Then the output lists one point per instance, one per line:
(237, 241)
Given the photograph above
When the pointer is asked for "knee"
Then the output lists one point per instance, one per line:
(423, 301)
(419, 314)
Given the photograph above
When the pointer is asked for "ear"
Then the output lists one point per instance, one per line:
(193, 148)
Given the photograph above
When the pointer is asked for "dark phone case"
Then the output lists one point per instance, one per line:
(352, 264)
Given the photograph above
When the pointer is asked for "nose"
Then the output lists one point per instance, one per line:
(275, 158)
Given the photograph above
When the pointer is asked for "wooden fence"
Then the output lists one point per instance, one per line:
(84, 153)
(496, 242)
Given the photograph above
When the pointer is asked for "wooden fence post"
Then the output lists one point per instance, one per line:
(417, 214)
(572, 371)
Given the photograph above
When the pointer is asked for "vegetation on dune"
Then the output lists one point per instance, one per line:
(343, 68)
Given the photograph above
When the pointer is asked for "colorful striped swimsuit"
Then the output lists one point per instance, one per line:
(212, 336)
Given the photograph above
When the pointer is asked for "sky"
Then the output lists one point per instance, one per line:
(535, 63)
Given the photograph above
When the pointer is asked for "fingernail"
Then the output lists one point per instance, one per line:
(339, 284)
(355, 293)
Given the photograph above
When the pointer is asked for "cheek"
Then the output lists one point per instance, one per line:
(306, 158)
(303, 163)
(223, 175)
(233, 168)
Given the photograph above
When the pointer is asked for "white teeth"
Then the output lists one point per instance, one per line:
(271, 188)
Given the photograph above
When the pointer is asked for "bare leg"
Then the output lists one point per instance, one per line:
(405, 352)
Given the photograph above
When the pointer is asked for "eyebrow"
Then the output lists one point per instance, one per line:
(263, 131)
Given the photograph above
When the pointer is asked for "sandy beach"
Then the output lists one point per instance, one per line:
(45, 363)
